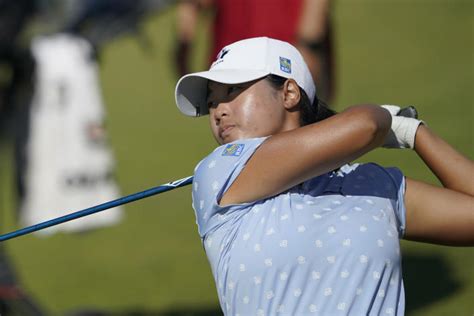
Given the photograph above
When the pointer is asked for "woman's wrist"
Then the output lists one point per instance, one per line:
(403, 130)
(421, 133)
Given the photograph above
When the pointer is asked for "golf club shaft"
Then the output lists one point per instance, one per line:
(98, 208)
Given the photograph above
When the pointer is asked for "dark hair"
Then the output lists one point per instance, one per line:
(310, 113)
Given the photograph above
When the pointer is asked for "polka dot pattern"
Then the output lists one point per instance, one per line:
(325, 247)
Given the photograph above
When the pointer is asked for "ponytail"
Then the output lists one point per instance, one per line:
(312, 113)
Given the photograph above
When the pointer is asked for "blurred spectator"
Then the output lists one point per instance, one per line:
(16, 68)
(305, 23)
(51, 97)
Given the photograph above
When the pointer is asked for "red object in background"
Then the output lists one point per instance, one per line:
(240, 19)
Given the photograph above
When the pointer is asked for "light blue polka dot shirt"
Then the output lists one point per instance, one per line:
(329, 246)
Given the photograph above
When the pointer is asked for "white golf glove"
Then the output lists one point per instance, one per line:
(403, 131)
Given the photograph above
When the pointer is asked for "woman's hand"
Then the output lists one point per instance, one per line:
(404, 126)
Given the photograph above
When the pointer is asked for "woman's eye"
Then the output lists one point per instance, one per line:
(233, 89)
(211, 104)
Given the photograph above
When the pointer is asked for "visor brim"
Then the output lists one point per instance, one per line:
(191, 90)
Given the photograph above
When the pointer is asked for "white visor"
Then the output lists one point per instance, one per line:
(240, 62)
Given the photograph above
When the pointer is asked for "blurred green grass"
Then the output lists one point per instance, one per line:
(400, 52)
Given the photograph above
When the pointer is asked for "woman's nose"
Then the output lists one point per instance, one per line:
(221, 110)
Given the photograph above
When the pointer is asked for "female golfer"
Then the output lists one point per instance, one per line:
(288, 226)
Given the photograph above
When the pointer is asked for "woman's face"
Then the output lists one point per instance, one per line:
(246, 110)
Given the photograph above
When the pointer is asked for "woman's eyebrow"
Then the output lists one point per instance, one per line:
(210, 91)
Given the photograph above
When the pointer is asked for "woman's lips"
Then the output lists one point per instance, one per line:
(225, 131)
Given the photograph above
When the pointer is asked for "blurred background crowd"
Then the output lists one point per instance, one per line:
(87, 114)
(52, 109)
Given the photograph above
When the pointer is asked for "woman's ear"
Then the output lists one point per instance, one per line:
(291, 93)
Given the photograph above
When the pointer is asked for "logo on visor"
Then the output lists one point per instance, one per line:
(233, 150)
(220, 56)
(222, 53)
(285, 65)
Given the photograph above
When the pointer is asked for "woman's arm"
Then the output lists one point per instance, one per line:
(289, 158)
(441, 215)
(454, 170)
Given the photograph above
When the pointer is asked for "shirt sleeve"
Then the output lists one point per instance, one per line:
(373, 180)
(398, 180)
(212, 178)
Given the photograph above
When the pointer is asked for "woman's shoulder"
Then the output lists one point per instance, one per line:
(229, 153)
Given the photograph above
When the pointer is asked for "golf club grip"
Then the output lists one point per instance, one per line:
(409, 111)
